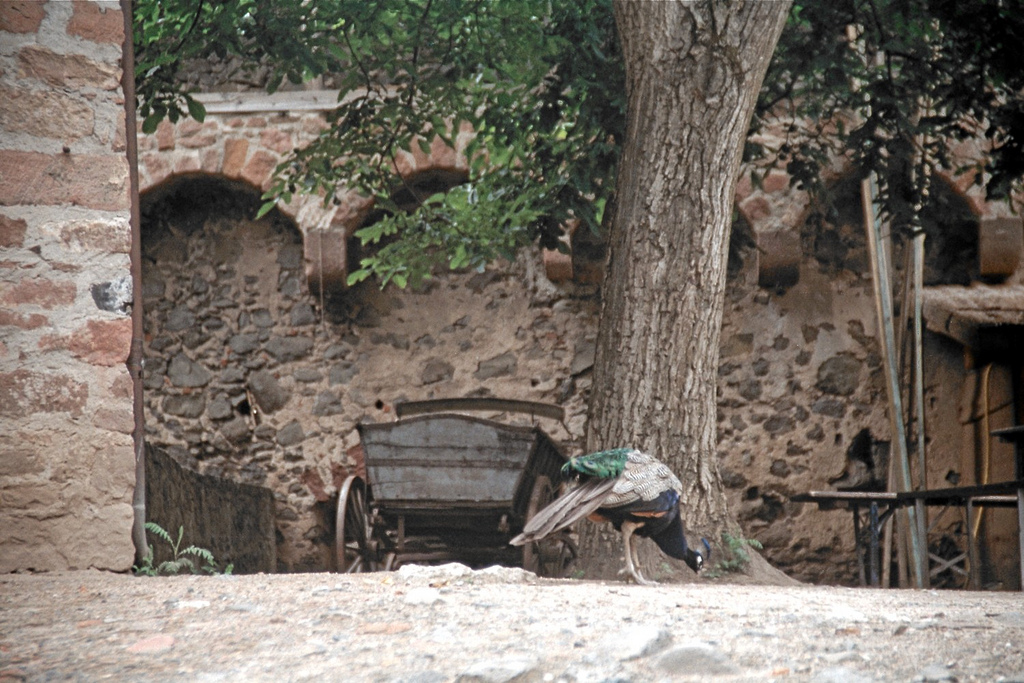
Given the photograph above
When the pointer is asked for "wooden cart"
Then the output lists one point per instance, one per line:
(448, 487)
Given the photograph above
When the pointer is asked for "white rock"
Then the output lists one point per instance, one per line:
(637, 641)
(500, 670)
(840, 674)
(444, 572)
(846, 613)
(696, 659)
(422, 595)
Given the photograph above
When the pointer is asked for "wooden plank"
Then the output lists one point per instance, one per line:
(445, 458)
(278, 102)
(1010, 434)
(1003, 488)
(840, 496)
(497, 405)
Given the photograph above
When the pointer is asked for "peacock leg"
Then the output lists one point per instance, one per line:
(632, 565)
(636, 556)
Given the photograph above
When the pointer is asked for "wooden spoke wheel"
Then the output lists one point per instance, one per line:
(356, 546)
(550, 556)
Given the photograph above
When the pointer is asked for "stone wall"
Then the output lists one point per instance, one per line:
(66, 456)
(802, 400)
(259, 365)
(251, 376)
(251, 373)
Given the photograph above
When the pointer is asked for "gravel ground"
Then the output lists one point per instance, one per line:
(439, 624)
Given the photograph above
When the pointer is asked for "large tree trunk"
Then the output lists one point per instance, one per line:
(693, 71)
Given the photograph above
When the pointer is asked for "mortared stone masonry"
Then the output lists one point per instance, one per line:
(66, 455)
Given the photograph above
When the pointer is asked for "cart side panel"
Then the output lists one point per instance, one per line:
(546, 459)
(445, 458)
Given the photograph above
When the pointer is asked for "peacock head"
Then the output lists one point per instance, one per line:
(695, 558)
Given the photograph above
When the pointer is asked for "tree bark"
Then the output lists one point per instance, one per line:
(693, 71)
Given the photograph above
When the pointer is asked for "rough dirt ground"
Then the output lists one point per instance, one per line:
(433, 625)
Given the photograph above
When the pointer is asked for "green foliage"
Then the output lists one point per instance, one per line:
(736, 557)
(538, 82)
(895, 85)
(183, 558)
(291, 39)
(534, 82)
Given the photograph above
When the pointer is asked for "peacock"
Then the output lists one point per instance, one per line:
(634, 491)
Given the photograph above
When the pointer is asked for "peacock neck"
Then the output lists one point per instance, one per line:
(672, 540)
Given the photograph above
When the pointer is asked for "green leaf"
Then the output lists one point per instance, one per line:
(265, 208)
(151, 122)
(357, 276)
(196, 110)
(158, 531)
(201, 553)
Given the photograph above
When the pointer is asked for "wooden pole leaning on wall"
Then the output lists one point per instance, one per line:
(135, 356)
(919, 358)
(880, 272)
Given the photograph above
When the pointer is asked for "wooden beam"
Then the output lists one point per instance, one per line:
(278, 102)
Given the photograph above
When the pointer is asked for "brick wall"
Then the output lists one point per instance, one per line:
(66, 456)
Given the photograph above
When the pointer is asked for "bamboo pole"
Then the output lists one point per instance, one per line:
(919, 357)
(883, 309)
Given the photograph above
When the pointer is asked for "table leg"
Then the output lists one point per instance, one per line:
(1020, 532)
(922, 532)
(873, 520)
(972, 550)
(859, 548)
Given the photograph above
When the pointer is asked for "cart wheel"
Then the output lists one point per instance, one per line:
(551, 556)
(354, 543)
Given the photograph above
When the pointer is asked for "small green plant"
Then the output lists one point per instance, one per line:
(183, 557)
(735, 554)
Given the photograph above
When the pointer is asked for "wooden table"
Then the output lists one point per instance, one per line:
(1002, 494)
(879, 506)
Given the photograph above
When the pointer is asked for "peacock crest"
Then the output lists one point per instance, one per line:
(601, 465)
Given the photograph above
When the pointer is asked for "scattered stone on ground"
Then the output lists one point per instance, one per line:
(451, 624)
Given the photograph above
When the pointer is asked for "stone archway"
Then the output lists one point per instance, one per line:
(245, 136)
(228, 322)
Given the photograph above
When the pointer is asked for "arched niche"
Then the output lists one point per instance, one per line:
(832, 232)
(415, 187)
(219, 286)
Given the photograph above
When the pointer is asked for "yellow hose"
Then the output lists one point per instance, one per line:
(986, 445)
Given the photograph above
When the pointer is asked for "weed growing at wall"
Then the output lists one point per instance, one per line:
(184, 558)
(736, 556)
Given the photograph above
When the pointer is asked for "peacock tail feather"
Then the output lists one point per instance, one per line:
(601, 465)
